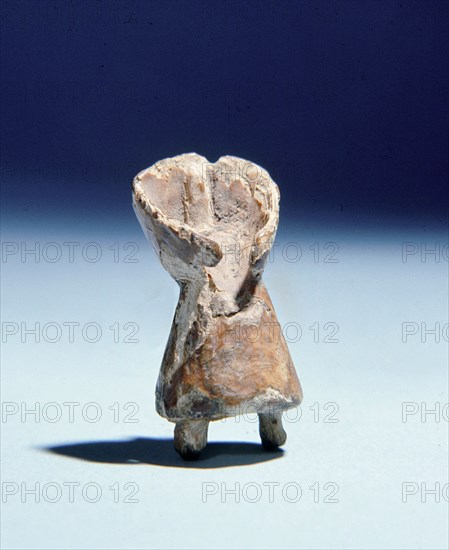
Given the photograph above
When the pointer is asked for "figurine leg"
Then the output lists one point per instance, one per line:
(271, 431)
(191, 437)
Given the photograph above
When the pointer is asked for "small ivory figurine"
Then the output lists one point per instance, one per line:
(212, 226)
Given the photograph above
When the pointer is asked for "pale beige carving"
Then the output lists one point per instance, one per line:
(212, 226)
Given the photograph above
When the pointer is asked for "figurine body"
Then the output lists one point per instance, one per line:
(213, 226)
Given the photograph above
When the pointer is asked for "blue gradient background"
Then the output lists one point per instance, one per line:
(345, 104)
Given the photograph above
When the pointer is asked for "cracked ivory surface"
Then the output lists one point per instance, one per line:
(212, 226)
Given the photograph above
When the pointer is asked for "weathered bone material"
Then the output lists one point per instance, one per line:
(212, 226)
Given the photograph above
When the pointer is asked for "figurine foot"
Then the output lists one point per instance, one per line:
(191, 438)
(271, 431)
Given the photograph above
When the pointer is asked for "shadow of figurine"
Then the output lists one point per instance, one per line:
(159, 452)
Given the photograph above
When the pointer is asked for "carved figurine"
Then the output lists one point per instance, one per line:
(212, 226)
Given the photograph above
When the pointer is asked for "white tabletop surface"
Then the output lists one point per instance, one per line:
(362, 457)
